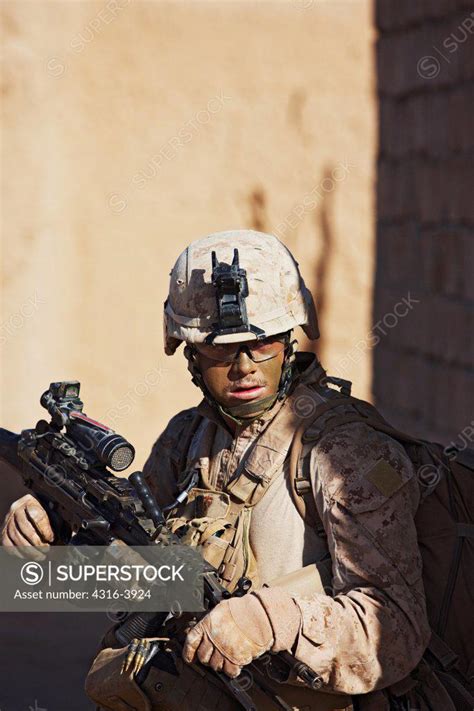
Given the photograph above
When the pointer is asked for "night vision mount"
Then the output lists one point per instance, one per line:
(230, 282)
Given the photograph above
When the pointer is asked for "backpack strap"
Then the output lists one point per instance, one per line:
(458, 685)
(264, 461)
(300, 486)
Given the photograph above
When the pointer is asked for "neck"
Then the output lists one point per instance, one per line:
(242, 421)
(231, 424)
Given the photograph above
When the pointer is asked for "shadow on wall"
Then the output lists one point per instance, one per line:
(423, 379)
(322, 220)
(319, 216)
(258, 210)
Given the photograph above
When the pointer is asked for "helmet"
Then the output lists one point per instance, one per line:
(234, 286)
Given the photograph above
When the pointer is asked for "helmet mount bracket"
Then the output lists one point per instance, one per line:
(230, 282)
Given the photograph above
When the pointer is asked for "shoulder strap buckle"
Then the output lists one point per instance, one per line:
(345, 386)
(302, 485)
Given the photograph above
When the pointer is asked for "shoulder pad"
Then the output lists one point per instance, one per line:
(316, 428)
(177, 427)
(360, 468)
(167, 447)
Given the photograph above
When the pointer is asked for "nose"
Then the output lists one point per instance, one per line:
(243, 365)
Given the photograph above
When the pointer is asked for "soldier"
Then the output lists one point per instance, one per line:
(364, 630)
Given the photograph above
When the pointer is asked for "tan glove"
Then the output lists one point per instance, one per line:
(106, 686)
(27, 525)
(239, 630)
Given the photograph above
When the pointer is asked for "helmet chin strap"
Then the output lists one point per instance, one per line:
(246, 412)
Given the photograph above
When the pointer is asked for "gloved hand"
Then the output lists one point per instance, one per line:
(27, 524)
(241, 629)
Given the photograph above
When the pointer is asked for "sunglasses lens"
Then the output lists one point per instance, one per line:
(259, 350)
(222, 351)
(264, 350)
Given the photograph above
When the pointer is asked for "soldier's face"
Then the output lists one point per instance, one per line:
(241, 381)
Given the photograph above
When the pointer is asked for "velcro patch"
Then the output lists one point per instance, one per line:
(384, 477)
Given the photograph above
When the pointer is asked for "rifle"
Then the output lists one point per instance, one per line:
(65, 463)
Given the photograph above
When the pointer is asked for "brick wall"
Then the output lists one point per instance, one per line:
(423, 360)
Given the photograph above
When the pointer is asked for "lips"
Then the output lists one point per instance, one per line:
(247, 392)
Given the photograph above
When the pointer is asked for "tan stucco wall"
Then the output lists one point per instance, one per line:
(242, 114)
(89, 99)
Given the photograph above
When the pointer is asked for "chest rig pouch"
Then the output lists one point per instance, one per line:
(211, 520)
(219, 521)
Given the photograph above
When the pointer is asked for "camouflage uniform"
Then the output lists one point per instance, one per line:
(367, 628)
(374, 629)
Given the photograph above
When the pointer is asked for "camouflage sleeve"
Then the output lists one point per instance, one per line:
(161, 467)
(373, 630)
